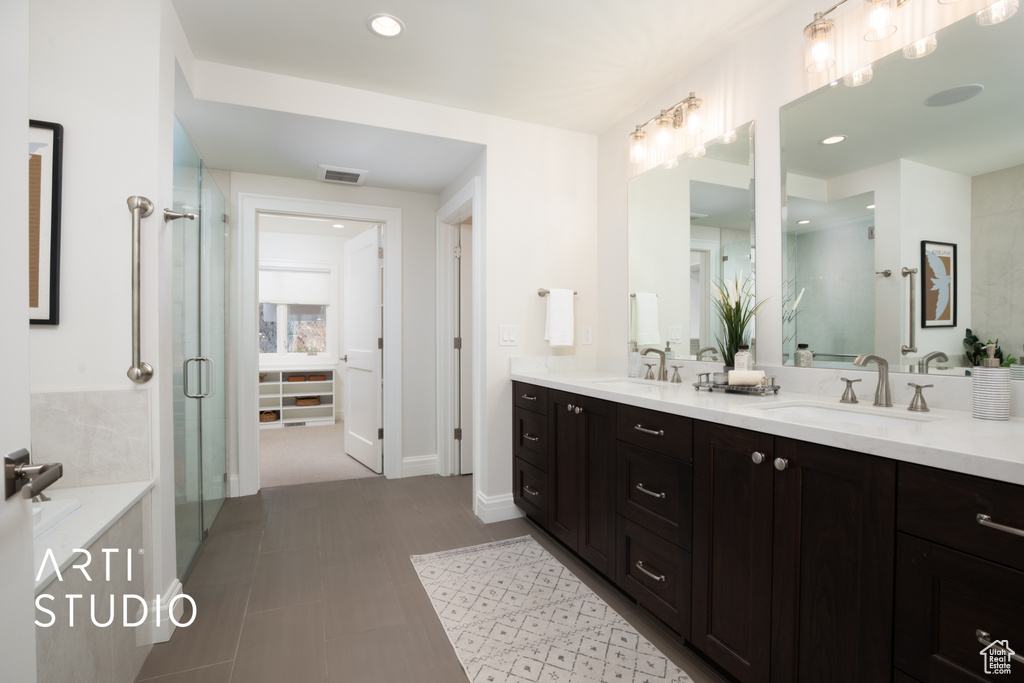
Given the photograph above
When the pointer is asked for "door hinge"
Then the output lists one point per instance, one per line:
(380, 342)
(458, 342)
(458, 252)
(458, 433)
(380, 252)
(380, 433)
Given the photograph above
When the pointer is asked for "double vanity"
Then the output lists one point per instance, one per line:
(789, 537)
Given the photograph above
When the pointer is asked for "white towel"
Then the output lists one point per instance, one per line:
(559, 327)
(647, 332)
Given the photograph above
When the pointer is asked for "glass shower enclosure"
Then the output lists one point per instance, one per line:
(198, 326)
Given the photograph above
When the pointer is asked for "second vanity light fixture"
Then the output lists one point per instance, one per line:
(879, 24)
(682, 116)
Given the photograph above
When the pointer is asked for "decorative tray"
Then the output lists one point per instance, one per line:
(758, 389)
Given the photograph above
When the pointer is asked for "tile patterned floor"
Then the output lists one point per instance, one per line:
(313, 583)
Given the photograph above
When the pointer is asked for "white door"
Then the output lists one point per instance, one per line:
(465, 360)
(362, 322)
(17, 614)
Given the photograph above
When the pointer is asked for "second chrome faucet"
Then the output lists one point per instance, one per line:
(883, 397)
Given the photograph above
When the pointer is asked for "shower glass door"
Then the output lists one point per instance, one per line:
(198, 303)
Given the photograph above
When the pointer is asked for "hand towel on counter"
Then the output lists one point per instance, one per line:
(647, 333)
(560, 325)
(745, 378)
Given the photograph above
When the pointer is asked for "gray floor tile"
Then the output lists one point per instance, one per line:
(226, 558)
(455, 527)
(286, 577)
(218, 673)
(428, 641)
(241, 514)
(283, 645)
(398, 544)
(359, 597)
(380, 655)
(291, 528)
(348, 539)
(212, 638)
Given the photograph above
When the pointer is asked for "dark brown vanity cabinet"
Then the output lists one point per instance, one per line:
(530, 451)
(959, 576)
(581, 462)
(793, 550)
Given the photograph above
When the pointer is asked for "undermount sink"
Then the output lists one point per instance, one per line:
(621, 383)
(855, 414)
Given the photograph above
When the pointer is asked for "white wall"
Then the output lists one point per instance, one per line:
(418, 277)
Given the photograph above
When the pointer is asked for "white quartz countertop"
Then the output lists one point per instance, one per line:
(947, 439)
(101, 506)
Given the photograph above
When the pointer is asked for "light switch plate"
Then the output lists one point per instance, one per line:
(508, 335)
(675, 334)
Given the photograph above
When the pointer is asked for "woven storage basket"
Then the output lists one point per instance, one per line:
(296, 378)
(268, 416)
(308, 401)
(317, 378)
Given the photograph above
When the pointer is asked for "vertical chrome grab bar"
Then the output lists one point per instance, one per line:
(911, 272)
(140, 207)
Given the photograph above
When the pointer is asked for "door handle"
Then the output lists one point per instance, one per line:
(208, 367)
(33, 479)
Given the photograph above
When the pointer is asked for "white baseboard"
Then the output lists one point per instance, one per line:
(496, 508)
(159, 614)
(419, 465)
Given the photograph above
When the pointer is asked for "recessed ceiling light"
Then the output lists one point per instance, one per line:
(870, 206)
(835, 139)
(337, 225)
(803, 222)
(385, 25)
(955, 95)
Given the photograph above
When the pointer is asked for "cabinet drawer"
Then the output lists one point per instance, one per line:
(655, 491)
(530, 397)
(658, 432)
(530, 491)
(656, 573)
(943, 599)
(944, 506)
(531, 435)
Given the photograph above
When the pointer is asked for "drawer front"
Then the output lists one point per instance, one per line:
(658, 432)
(656, 573)
(656, 492)
(531, 397)
(943, 599)
(944, 506)
(530, 491)
(531, 435)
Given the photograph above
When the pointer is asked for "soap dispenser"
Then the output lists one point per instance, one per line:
(990, 388)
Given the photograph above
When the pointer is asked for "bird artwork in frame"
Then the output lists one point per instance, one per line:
(938, 284)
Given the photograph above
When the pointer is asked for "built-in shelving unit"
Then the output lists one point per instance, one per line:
(278, 393)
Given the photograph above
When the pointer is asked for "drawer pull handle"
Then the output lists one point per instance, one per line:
(529, 398)
(530, 437)
(985, 639)
(985, 520)
(656, 577)
(652, 432)
(652, 494)
(530, 491)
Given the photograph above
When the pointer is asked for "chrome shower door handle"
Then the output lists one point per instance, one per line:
(208, 366)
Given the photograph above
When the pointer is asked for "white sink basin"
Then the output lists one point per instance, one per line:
(832, 413)
(626, 383)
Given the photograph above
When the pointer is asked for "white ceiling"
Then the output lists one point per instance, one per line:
(576, 64)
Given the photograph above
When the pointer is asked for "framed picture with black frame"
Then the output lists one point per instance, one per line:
(45, 149)
(938, 284)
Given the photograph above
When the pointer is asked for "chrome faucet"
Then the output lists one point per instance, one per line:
(707, 349)
(882, 396)
(662, 368)
(922, 365)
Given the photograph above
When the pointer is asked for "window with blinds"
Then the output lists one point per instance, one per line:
(294, 309)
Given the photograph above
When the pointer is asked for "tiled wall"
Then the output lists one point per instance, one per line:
(85, 653)
(101, 437)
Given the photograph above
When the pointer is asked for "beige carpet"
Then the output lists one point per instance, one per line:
(300, 455)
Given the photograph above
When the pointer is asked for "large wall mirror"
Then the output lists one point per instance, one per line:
(928, 174)
(690, 225)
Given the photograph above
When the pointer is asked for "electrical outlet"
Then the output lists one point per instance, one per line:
(588, 334)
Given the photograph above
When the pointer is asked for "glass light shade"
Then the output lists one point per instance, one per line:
(637, 146)
(880, 19)
(921, 48)
(692, 124)
(697, 152)
(663, 138)
(729, 137)
(1000, 11)
(821, 44)
(858, 77)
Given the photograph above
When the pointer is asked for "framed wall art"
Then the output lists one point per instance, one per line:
(938, 284)
(45, 147)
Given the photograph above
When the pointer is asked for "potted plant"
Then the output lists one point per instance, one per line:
(974, 352)
(734, 304)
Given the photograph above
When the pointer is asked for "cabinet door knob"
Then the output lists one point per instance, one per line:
(757, 457)
(578, 410)
(781, 464)
(570, 407)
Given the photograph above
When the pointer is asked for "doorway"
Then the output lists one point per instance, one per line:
(248, 388)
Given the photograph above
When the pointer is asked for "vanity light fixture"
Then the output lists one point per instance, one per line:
(879, 19)
(998, 12)
(385, 25)
(921, 48)
(692, 124)
(858, 77)
(637, 146)
(663, 138)
(833, 140)
(821, 42)
(684, 115)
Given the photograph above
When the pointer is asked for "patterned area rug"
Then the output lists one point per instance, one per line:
(514, 613)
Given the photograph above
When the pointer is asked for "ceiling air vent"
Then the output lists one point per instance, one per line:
(339, 174)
